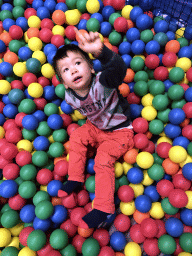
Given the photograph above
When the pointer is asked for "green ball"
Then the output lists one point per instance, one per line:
(60, 135)
(71, 4)
(161, 38)
(146, 35)
(27, 189)
(90, 247)
(9, 219)
(157, 159)
(156, 87)
(115, 38)
(10, 251)
(29, 135)
(164, 115)
(81, 122)
(69, 250)
(16, 96)
(116, 185)
(81, 5)
(43, 129)
(189, 149)
(21, 3)
(93, 25)
(183, 41)
(156, 127)
(150, 73)
(141, 88)
(58, 239)
(60, 91)
(40, 158)
(167, 244)
(185, 242)
(176, 92)
(158, 18)
(40, 196)
(27, 106)
(5, 14)
(33, 65)
(160, 102)
(178, 103)
(141, 76)
(5, 208)
(137, 64)
(50, 109)
(176, 74)
(56, 149)
(15, 45)
(36, 240)
(49, 165)
(28, 172)
(123, 180)
(18, 11)
(90, 184)
(29, 224)
(67, 41)
(156, 172)
(44, 210)
(113, 17)
(167, 207)
(19, 180)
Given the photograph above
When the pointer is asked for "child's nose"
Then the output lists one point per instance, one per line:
(74, 70)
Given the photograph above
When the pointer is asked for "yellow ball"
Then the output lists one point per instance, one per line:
(185, 80)
(101, 37)
(74, 118)
(2, 132)
(126, 167)
(43, 188)
(164, 139)
(58, 30)
(127, 208)
(147, 100)
(92, 6)
(177, 154)
(79, 115)
(35, 90)
(15, 231)
(5, 87)
(132, 249)
(35, 44)
(25, 145)
(179, 33)
(126, 11)
(137, 188)
(27, 252)
(189, 195)
(14, 242)
(19, 69)
(156, 211)
(47, 71)
(26, 38)
(34, 21)
(145, 160)
(149, 113)
(67, 158)
(184, 63)
(50, 138)
(118, 169)
(39, 55)
(184, 254)
(72, 17)
(187, 160)
(5, 237)
(147, 181)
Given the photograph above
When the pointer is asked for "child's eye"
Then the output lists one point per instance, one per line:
(78, 63)
(66, 69)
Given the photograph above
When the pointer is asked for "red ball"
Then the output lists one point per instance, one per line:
(121, 25)
(17, 202)
(164, 187)
(88, 207)
(187, 229)
(118, 4)
(150, 246)
(17, 84)
(140, 125)
(150, 147)
(70, 201)
(54, 253)
(40, 103)
(187, 108)
(29, 78)
(23, 158)
(3, 162)
(44, 176)
(57, 40)
(106, 251)
(30, 12)
(43, 81)
(19, 118)
(125, 193)
(85, 16)
(72, 127)
(9, 124)
(178, 247)
(161, 73)
(13, 135)
(115, 49)
(169, 59)
(9, 151)
(23, 235)
(15, 32)
(45, 34)
(55, 82)
(82, 198)
(67, 120)
(161, 228)
(177, 215)
(57, 177)
(189, 74)
(163, 148)
(108, 2)
(69, 227)
(77, 214)
(132, 98)
(136, 234)
(2, 143)
(45, 250)
(122, 223)
(185, 86)
(187, 132)
(2, 105)
(70, 33)
(178, 198)
(102, 236)
(152, 61)
(47, 23)
(11, 171)
(149, 227)
(77, 242)
(140, 141)
(179, 181)
(61, 168)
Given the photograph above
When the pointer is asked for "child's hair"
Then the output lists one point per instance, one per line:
(62, 53)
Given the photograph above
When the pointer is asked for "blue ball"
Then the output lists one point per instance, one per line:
(6, 69)
(27, 94)
(37, 3)
(105, 28)
(56, 102)
(16, 96)
(6, 99)
(30, 122)
(172, 25)
(3, 47)
(55, 121)
(66, 108)
(146, 5)
(174, 227)
(50, 5)
(127, 59)
(132, 34)
(90, 166)
(160, 57)
(135, 110)
(24, 53)
(167, 177)
(135, 175)
(144, 22)
(50, 57)
(181, 141)
(135, 12)
(43, 12)
(53, 187)
(131, 86)
(49, 48)
(27, 213)
(49, 92)
(41, 143)
(23, 23)
(172, 131)
(7, 6)
(8, 188)
(188, 33)
(167, 84)
(7, 23)
(2, 119)
(43, 225)
(188, 94)
(107, 11)
(170, 35)
(40, 115)
(97, 16)
(10, 111)
(143, 203)
(187, 171)
(91, 196)
(176, 116)
(61, 6)
(82, 24)
(124, 48)
(161, 26)
(152, 47)
(118, 241)
(138, 47)
(151, 191)
(97, 65)
(185, 51)
(186, 216)
(59, 214)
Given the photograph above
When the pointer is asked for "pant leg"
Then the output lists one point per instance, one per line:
(113, 146)
(80, 139)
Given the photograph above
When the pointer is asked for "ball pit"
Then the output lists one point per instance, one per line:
(153, 194)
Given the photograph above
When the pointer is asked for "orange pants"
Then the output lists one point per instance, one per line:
(110, 146)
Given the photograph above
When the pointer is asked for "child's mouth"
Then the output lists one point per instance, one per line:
(77, 79)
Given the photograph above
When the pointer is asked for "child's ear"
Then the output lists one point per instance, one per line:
(92, 70)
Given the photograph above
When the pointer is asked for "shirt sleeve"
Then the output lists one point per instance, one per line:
(114, 68)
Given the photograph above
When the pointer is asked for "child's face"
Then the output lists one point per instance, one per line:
(75, 72)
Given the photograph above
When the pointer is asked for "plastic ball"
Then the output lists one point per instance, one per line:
(27, 213)
(5, 235)
(58, 239)
(177, 154)
(143, 203)
(174, 227)
(149, 228)
(135, 175)
(120, 25)
(149, 113)
(30, 122)
(117, 241)
(122, 223)
(8, 188)
(176, 116)
(185, 242)
(152, 61)
(167, 244)
(144, 160)
(9, 218)
(15, 32)
(143, 22)
(132, 248)
(47, 71)
(176, 74)
(35, 44)
(125, 193)
(135, 12)
(92, 6)
(132, 35)
(90, 245)
(36, 240)
(72, 16)
(178, 198)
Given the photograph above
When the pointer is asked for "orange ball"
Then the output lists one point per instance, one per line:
(32, 32)
(119, 254)
(58, 17)
(108, 45)
(172, 46)
(170, 167)
(185, 122)
(56, 201)
(129, 77)
(140, 216)
(130, 156)
(66, 146)
(6, 38)
(85, 232)
(57, 159)
(124, 89)
(83, 32)
(11, 57)
(130, 24)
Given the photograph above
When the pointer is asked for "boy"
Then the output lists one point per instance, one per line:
(108, 126)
